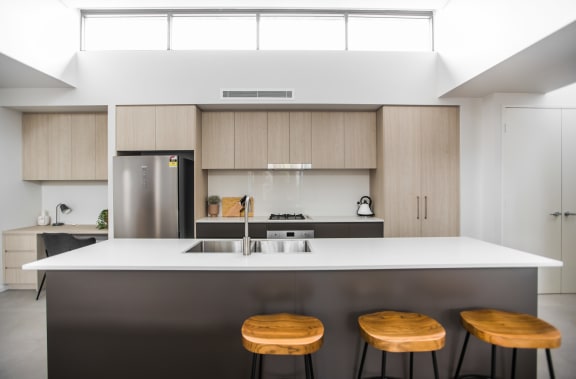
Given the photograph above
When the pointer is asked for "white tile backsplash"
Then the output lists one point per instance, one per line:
(314, 192)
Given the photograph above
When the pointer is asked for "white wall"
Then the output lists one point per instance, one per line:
(43, 34)
(474, 35)
(314, 192)
(86, 199)
(19, 201)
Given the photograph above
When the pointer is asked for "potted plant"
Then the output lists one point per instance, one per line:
(213, 205)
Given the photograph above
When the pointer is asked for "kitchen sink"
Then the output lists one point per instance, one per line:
(256, 246)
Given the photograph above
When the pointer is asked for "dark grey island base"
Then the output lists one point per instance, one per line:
(186, 324)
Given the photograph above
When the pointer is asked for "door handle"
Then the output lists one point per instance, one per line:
(556, 214)
(417, 207)
(569, 214)
(425, 207)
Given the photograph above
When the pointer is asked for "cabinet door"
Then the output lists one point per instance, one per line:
(360, 139)
(18, 250)
(569, 200)
(60, 147)
(328, 140)
(440, 194)
(101, 146)
(531, 187)
(83, 148)
(217, 140)
(176, 127)
(300, 137)
(135, 128)
(402, 168)
(251, 140)
(278, 137)
(34, 146)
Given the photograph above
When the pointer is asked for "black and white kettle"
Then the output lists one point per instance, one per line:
(365, 206)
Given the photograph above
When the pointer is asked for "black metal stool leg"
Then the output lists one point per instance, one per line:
(362, 360)
(254, 362)
(411, 365)
(260, 363)
(493, 364)
(513, 374)
(550, 367)
(461, 359)
(435, 365)
(383, 373)
(41, 285)
(309, 368)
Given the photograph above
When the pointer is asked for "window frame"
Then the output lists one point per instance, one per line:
(258, 12)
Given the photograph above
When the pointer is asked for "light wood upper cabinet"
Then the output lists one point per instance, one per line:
(35, 146)
(65, 146)
(251, 140)
(217, 140)
(300, 137)
(360, 139)
(135, 128)
(289, 137)
(176, 127)
(416, 186)
(156, 128)
(101, 149)
(279, 137)
(328, 140)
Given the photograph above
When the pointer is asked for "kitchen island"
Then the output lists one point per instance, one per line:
(146, 309)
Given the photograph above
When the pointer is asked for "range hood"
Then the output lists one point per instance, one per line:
(289, 166)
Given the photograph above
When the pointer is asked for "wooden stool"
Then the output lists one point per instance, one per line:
(401, 332)
(282, 334)
(510, 330)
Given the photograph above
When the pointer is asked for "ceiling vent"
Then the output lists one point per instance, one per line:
(255, 94)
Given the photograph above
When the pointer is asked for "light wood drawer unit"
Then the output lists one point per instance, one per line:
(19, 249)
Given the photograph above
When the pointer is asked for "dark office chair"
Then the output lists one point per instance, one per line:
(57, 243)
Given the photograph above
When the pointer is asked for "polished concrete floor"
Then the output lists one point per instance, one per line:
(23, 335)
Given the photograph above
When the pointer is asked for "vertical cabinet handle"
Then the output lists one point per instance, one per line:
(556, 214)
(425, 207)
(569, 214)
(417, 207)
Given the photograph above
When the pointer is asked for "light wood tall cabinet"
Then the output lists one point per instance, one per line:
(416, 185)
(156, 128)
(65, 146)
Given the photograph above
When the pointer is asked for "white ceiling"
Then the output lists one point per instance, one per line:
(547, 65)
(258, 4)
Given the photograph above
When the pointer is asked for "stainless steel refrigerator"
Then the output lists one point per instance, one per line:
(153, 196)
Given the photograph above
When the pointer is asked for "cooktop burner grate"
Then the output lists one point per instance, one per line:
(287, 216)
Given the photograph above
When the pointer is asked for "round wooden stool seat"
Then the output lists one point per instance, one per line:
(511, 330)
(508, 330)
(402, 332)
(282, 334)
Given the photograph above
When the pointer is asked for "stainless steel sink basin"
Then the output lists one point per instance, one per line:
(256, 246)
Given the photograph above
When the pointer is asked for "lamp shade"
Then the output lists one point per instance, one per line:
(63, 209)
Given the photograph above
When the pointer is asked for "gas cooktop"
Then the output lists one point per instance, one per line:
(287, 216)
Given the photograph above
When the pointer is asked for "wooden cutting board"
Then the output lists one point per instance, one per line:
(231, 207)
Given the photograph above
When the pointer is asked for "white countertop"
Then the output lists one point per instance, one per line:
(327, 254)
(264, 219)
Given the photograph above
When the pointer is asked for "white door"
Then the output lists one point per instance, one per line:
(531, 187)
(569, 200)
